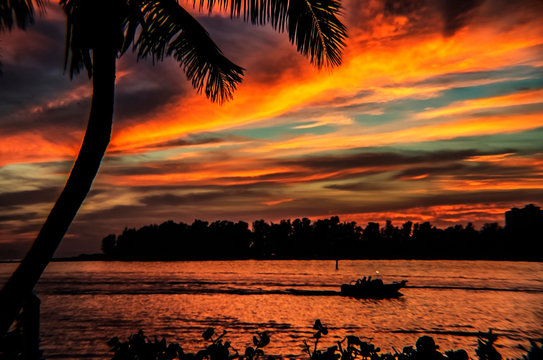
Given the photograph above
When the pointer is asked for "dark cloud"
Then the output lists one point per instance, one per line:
(151, 168)
(191, 140)
(33, 78)
(264, 186)
(13, 251)
(407, 163)
(206, 198)
(360, 160)
(457, 14)
(403, 7)
(19, 198)
(360, 186)
(473, 171)
(28, 227)
(266, 55)
(445, 16)
(18, 217)
(409, 201)
(147, 87)
(63, 124)
(519, 196)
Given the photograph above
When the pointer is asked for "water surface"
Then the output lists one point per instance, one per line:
(86, 303)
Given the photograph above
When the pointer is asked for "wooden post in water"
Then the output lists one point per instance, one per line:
(31, 327)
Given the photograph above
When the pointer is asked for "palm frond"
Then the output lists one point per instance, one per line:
(132, 22)
(317, 32)
(171, 30)
(18, 13)
(77, 54)
(91, 22)
(312, 25)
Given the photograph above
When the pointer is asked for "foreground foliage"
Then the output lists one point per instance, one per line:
(141, 347)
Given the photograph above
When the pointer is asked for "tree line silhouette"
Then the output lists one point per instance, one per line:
(328, 239)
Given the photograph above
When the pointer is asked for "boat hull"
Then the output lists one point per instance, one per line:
(373, 290)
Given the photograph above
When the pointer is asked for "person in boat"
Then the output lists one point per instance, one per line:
(361, 281)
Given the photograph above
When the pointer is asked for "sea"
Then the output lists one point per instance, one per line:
(84, 304)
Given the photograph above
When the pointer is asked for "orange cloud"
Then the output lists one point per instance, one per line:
(28, 147)
(441, 215)
(365, 67)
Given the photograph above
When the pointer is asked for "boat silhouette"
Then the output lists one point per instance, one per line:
(375, 289)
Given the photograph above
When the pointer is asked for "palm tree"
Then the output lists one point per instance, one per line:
(100, 31)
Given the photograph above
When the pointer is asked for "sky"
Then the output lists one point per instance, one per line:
(436, 114)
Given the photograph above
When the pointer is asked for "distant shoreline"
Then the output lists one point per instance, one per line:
(102, 257)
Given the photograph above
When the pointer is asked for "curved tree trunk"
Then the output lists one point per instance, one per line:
(85, 168)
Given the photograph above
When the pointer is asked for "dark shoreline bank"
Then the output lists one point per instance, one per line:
(102, 257)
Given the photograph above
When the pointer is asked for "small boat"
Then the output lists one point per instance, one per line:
(374, 289)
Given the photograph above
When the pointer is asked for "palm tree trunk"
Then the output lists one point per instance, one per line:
(85, 168)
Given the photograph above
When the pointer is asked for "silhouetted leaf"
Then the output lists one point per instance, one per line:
(317, 325)
(353, 340)
(249, 351)
(208, 333)
(312, 25)
(171, 30)
(113, 341)
(18, 12)
(264, 339)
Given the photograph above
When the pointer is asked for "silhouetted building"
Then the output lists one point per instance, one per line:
(526, 219)
(524, 231)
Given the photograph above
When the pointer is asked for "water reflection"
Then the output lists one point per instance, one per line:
(85, 304)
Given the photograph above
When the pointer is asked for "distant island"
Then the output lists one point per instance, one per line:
(520, 239)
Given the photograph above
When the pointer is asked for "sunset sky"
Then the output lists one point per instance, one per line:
(435, 115)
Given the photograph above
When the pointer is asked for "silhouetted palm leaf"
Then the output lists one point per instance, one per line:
(312, 25)
(171, 30)
(164, 27)
(316, 31)
(89, 21)
(17, 12)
